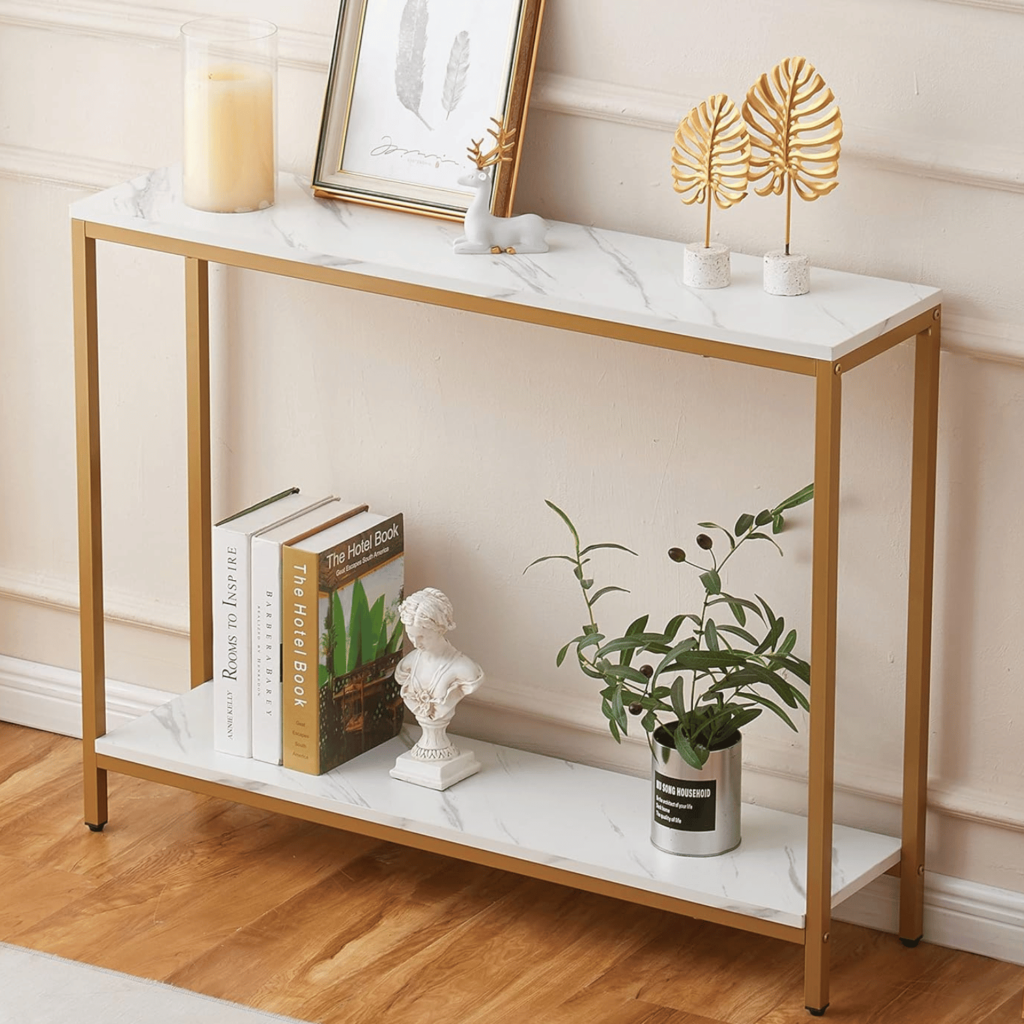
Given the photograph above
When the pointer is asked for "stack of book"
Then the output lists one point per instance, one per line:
(306, 631)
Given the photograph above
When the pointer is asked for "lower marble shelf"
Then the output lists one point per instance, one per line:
(586, 821)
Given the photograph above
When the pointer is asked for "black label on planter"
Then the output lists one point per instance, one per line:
(682, 805)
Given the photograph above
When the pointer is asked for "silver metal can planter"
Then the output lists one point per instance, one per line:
(695, 813)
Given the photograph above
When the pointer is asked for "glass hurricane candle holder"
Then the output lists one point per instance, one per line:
(229, 76)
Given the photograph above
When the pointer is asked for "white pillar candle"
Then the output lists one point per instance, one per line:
(228, 126)
(229, 139)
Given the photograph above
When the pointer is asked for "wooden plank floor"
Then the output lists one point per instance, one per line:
(338, 929)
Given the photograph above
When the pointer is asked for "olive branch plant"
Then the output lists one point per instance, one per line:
(703, 679)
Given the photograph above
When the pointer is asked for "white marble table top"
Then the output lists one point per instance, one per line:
(620, 278)
(540, 809)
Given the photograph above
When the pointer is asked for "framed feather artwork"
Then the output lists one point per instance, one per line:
(410, 81)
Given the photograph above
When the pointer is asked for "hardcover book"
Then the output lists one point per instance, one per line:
(232, 726)
(266, 619)
(342, 641)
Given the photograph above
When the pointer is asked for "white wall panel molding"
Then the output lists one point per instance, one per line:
(983, 339)
(49, 698)
(63, 170)
(981, 166)
(134, 611)
(1013, 6)
(151, 25)
(958, 914)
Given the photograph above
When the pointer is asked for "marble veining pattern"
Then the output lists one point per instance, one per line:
(625, 279)
(585, 820)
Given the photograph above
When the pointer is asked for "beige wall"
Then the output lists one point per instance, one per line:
(468, 424)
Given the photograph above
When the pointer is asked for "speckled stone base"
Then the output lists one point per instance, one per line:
(706, 267)
(786, 274)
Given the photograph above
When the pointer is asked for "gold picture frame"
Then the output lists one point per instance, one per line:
(411, 84)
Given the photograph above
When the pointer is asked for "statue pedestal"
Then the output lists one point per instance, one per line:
(435, 774)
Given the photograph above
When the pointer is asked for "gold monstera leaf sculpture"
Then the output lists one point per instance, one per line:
(795, 130)
(711, 157)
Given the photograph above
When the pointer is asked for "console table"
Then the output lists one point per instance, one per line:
(789, 871)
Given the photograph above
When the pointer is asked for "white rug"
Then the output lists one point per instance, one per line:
(36, 988)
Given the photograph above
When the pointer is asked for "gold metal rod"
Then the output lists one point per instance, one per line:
(90, 520)
(457, 300)
(789, 207)
(919, 632)
(824, 588)
(475, 855)
(200, 556)
(892, 338)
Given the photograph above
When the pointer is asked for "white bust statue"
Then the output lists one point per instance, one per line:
(433, 678)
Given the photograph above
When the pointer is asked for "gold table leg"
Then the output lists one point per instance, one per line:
(90, 520)
(919, 633)
(200, 556)
(824, 588)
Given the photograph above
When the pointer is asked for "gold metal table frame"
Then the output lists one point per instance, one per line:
(828, 376)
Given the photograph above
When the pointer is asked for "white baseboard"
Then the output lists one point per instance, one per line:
(49, 698)
(959, 914)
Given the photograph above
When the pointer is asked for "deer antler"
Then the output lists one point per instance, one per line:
(504, 142)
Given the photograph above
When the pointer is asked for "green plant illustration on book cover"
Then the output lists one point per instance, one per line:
(360, 645)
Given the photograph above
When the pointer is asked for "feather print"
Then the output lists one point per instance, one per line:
(412, 42)
(455, 76)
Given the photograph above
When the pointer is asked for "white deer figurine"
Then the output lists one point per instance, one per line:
(484, 231)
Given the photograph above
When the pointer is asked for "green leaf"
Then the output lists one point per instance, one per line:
(757, 535)
(358, 627)
(777, 524)
(561, 654)
(742, 602)
(588, 640)
(619, 710)
(741, 633)
(688, 753)
(614, 729)
(799, 668)
(624, 672)
(744, 523)
(711, 635)
(673, 624)
(371, 650)
(773, 707)
(337, 660)
(677, 697)
(628, 643)
(397, 636)
(605, 590)
(548, 558)
(753, 672)
(598, 547)
(637, 625)
(772, 636)
(768, 611)
(803, 495)
(565, 519)
(382, 638)
(712, 581)
(764, 517)
(649, 722)
(587, 630)
(788, 644)
(686, 645)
